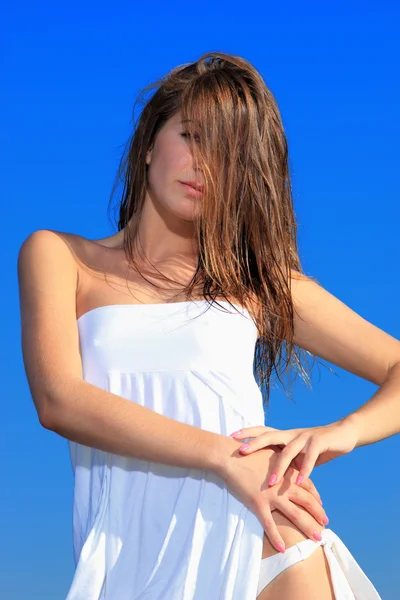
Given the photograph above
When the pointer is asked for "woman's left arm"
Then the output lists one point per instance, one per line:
(328, 328)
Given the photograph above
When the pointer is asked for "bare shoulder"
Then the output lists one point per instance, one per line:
(72, 251)
(44, 242)
(40, 247)
(254, 303)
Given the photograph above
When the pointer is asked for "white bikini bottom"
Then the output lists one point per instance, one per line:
(348, 579)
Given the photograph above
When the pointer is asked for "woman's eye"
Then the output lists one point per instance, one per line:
(187, 134)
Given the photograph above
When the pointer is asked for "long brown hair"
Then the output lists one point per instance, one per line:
(247, 232)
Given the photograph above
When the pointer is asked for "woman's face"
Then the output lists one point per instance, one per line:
(170, 165)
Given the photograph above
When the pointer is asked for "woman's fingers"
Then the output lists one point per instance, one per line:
(270, 438)
(248, 432)
(265, 517)
(303, 498)
(309, 461)
(310, 487)
(284, 460)
(299, 517)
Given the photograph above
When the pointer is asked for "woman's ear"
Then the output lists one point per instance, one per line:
(148, 156)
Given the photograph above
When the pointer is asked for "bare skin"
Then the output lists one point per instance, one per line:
(309, 578)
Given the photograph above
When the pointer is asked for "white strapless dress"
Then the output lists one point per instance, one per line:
(148, 531)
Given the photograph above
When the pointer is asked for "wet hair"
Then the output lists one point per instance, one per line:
(246, 232)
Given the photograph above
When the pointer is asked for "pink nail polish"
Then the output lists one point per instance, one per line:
(325, 520)
(272, 480)
(317, 536)
(236, 433)
(244, 447)
(299, 479)
(281, 547)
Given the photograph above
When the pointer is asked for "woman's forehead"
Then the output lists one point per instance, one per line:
(177, 120)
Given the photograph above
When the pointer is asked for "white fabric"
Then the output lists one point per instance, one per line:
(348, 579)
(148, 531)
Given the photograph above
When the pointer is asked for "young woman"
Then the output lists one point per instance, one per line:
(139, 349)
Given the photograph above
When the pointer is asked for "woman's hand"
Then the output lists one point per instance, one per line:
(302, 449)
(245, 478)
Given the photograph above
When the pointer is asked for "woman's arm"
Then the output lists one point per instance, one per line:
(325, 326)
(328, 328)
(379, 417)
(75, 409)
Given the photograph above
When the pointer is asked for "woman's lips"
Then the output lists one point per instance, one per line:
(191, 190)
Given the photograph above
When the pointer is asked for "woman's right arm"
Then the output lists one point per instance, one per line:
(68, 405)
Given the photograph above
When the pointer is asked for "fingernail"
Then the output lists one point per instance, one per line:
(325, 520)
(244, 447)
(281, 547)
(236, 433)
(273, 479)
(320, 501)
(317, 536)
(299, 479)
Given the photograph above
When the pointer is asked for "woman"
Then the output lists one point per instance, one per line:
(139, 350)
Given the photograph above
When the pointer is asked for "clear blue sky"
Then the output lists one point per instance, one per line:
(71, 73)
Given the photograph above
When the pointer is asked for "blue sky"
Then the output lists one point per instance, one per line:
(71, 74)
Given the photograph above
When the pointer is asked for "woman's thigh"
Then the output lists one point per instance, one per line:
(309, 578)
